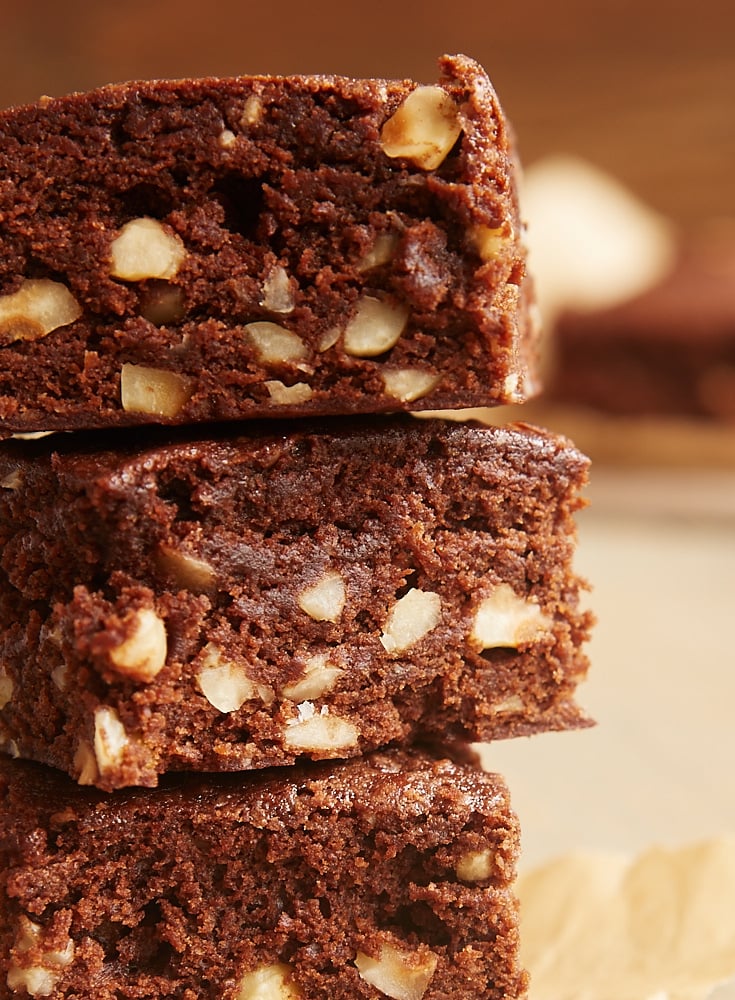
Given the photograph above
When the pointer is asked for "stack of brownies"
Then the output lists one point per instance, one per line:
(253, 609)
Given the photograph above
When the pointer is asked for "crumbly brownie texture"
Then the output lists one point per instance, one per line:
(213, 249)
(387, 876)
(225, 604)
(668, 352)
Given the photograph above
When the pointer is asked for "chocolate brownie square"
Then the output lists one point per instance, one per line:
(225, 603)
(390, 875)
(203, 250)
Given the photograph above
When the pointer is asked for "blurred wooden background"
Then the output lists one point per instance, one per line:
(642, 88)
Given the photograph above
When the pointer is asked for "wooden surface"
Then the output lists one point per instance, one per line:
(643, 88)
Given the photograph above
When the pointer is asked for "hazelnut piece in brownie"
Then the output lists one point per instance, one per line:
(387, 876)
(317, 590)
(203, 250)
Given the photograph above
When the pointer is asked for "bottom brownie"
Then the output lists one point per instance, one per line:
(388, 875)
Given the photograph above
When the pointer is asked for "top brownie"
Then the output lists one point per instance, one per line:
(216, 249)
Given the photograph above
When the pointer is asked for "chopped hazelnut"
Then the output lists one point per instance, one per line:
(506, 620)
(6, 688)
(382, 251)
(28, 936)
(510, 387)
(423, 129)
(411, 618)
(274, 344)
(39, 307)
(286, 395)
(278, 295)
(38, 980)
(35, 979)
(475, 866)
(225, 684)
(399, 974)
(227, 138)
(186, 570)
(269, 982)
(324, 600)
(376, 327)
(320, 676)
(110, 739)
(252, 111)
(145, 248)
(407, 384)
(328, 339)
(142, 655)
(85, 764)
(153, 390)
(60, 676)
(319, 731)
(490, 243)
(513, 703)
(13, 480)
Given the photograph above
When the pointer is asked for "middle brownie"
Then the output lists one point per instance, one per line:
(319, 590)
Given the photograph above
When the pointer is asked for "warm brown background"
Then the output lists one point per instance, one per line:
(643, 88)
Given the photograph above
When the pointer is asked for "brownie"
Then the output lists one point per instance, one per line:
(228, 603)
(666, 352)
(390, 875)
(202, 250)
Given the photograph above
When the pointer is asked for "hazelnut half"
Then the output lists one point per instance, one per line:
(376, 326)
(324, 600)
(156, 391)
(225, 684)
(39, 307)
(506, 620)
(408, 384)
(411, 618)
(143, 654)
(320, 675)
(288, 395)
(269, 982)
(399, 974)
(110, 739)
(145, 248)
(423, 129)
(274, 344)
(319, 731)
